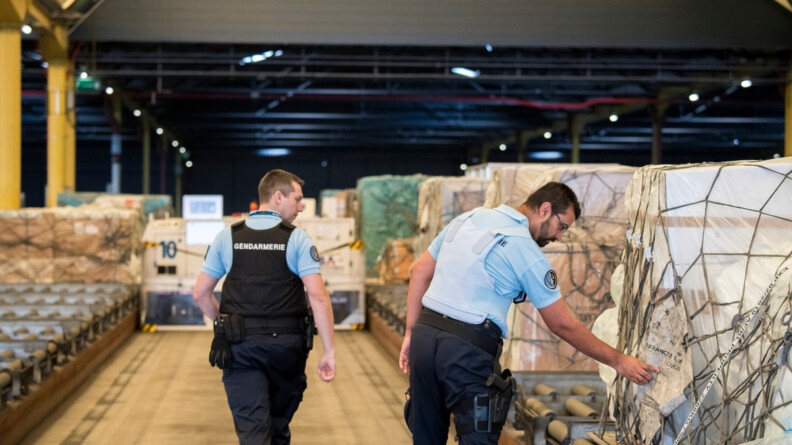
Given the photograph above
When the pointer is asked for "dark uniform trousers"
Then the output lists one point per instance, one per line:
(444, 371)
(265, 386)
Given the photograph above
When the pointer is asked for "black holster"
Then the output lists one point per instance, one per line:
(310, 329)
(233, 325)
(491, 410)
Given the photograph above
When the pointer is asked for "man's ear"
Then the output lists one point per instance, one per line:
(545, 210)
(277, 197)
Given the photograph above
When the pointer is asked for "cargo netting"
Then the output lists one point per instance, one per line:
(707, 299)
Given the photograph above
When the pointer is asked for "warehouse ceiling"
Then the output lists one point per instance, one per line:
(247, 77)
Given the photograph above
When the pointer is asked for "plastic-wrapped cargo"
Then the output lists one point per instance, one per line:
(388, 209)
(70, 245)
(599, 187)
(583, 271)
(488, 169)
(393, 265)
(708, 299)
(338, 203)
(442, 198)
(158, 205)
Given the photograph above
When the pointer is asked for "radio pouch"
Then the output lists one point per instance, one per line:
(234, 326)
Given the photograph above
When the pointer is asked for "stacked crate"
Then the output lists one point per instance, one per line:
(342, 264)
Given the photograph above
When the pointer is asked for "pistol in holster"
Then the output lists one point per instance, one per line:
(310, 329)
(491, 410)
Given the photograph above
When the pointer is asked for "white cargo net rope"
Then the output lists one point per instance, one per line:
(737, 340)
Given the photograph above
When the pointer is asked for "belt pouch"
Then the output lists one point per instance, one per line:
(234, 327)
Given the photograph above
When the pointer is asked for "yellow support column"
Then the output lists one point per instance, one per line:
(70, 137)
(54, 50)
(11, 15)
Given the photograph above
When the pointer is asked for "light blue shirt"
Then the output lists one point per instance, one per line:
(298, 250)
(514, 264)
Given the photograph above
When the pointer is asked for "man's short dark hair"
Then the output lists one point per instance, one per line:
(558, 194)
(277, 181)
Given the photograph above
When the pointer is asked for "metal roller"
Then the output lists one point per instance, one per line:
(558, 430)
(580, 389)
(539, 408)
(544, 390)
(577, 408)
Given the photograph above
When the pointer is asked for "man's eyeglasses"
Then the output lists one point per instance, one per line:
(564, 226)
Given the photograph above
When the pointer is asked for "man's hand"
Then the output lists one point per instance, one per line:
(404, 356)
(635, 370)
(326, 369)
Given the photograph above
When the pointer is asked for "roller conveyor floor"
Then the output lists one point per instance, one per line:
(159, 388)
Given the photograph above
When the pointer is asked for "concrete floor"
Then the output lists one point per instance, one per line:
(158, 388)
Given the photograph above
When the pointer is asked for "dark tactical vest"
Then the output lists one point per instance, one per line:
(260, 283)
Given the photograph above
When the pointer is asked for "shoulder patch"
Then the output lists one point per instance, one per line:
(314, 253)
(550, 279)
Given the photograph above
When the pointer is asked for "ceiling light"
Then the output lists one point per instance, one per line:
(188, 164)
(256, 58)
(463, 167)
(502, 147)
(84, 75)
(746, 83)
(26, 29)
(736, 141)
(182, 150)
(488, 47)
(109, 90)
(613, 117)
(546, 155)
(160, 131)
(175, 144)
(136, 112)
(693, 97)
(324, 163)
(548, 135)
(465, 72)
(273, 152)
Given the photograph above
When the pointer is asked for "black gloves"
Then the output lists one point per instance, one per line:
(220, 354)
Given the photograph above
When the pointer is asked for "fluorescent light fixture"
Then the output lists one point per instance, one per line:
(746, 83)
(26, 29)
(548, 135)
(256, 58)
(546, 155)
(465, 72)
(693, 97)
(613, 117)
(273, 152)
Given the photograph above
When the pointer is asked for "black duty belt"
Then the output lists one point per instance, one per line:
(460, 329)
(286, 325)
